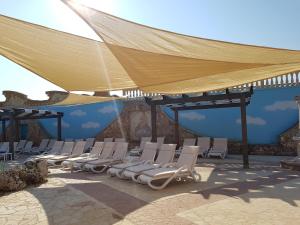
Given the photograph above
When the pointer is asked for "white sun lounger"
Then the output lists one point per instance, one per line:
(148, 155)
(50, 144)
(92, 155)
(20, 146)
(186, 142)
(106, 153)
(100, 165)
(184, 167)
(138, 150)
(89, 144)
(4, 151)
(42, 147)
(73, 150)
(165, 155)
(219, 148)
(160, 141)
(55, 150)
(28, 147)
(120, 140)
(204, 145)
(108, 140)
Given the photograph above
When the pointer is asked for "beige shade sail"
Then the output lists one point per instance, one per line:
(167, 62)
(74, 63)
(76, 99)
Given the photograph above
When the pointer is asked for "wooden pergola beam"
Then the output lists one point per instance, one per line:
(12, 116)
(241, 100)
(215, 106)
(168, 100)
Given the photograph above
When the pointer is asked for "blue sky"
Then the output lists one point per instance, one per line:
(269, 23)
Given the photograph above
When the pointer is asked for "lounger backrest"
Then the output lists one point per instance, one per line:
(166, 153)
(4, 147)
(108, 150)
(120, 140)
(189, 142)
(89, 143)
(203, 143)
(57, 147)
(97, 148)
(149, 151)
(220, 145)
(67, 148)
(21, 144)
(51, 143)
(188, 157)
(160, 141)
(144, 140)
(121, 149)
(108, 140)
(43, 144)
(28, 146)
(69, 140)
(79, 147)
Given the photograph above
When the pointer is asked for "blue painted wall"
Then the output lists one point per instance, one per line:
(83, 121)
(271, 112)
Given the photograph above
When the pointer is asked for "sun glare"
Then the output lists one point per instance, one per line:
(70, 22)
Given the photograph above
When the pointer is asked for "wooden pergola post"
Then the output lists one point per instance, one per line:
(12, 137)
(59, 128)
(176, 127)
(244, 133)
(17, 130)
(153, 122)
(4, 130)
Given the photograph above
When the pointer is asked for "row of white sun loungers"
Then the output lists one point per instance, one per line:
(156, 161)
(219, 147)
(110, 157)
(26, 147)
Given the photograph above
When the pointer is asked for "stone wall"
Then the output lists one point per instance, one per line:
(135, 122)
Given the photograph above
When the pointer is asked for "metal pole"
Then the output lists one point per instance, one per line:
(17, 130)
(244, 133)
(59, 128)
(12, 137)
(4, 130)
(176, 127)
(153, 122)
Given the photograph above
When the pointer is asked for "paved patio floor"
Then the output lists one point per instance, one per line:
(226, 194)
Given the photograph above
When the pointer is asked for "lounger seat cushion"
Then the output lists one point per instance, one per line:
(100, 161)
(140, 168)
(60, 157)
(86, 160)
(125, 165)
(45, 156)
(161, 173)
(77, 158)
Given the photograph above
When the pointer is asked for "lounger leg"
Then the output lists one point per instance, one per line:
(161, 186)
(196, 176)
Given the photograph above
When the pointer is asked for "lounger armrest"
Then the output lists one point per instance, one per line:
(85, 155)
(135, 160)
(73, 156)
(167, 165)
(148, 162)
